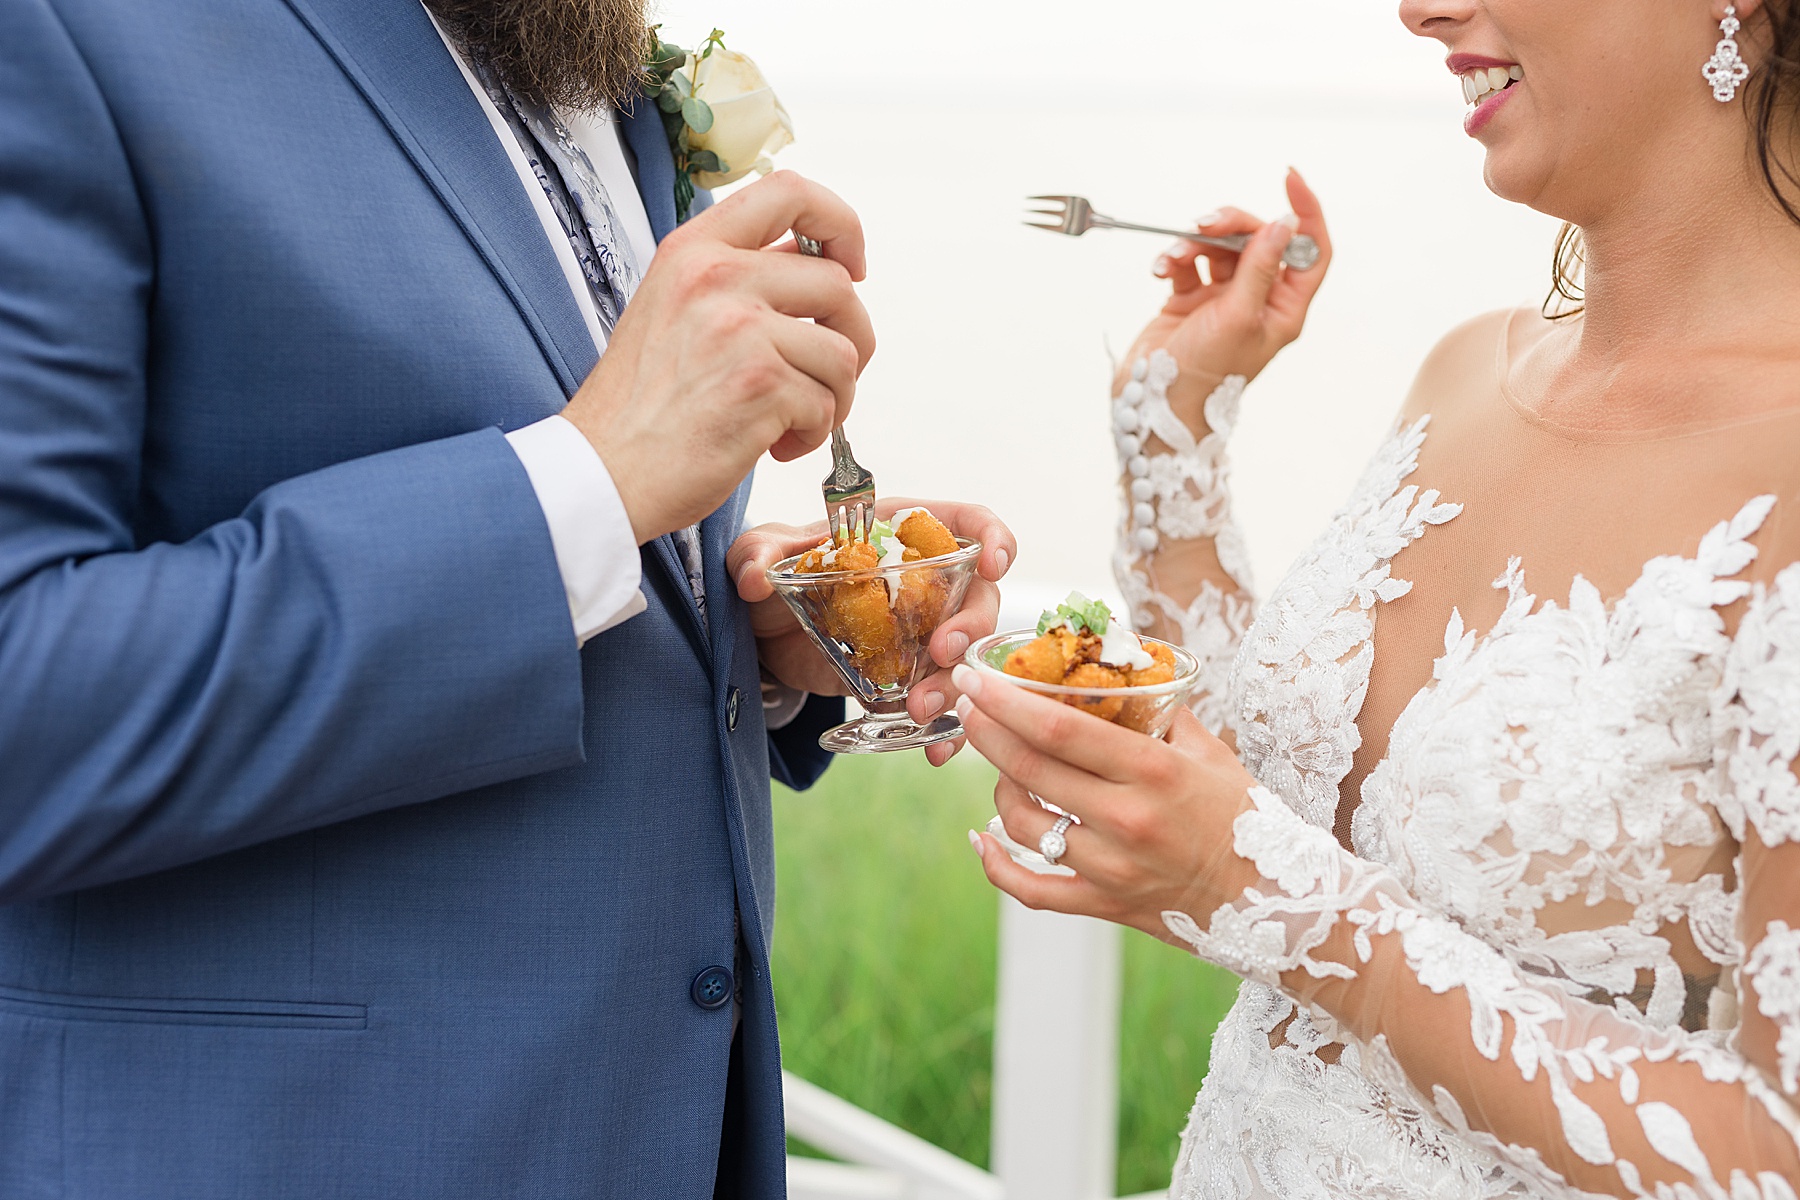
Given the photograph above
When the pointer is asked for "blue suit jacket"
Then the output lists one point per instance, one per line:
(329, 867)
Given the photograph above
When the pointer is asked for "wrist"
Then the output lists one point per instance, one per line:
(619, 465)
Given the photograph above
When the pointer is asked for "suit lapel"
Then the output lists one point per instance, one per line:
(649, 143)
(717, 533)
(391, 52)
(394, 56)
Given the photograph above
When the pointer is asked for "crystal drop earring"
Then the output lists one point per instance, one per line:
(1726, 69)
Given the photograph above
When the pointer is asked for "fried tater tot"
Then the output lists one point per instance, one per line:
(860, 618)
(1152, 675)
(925, 533)
(1139, 714)
(857, 556)
(1040, 660)
(919, 603)
(1093, 675)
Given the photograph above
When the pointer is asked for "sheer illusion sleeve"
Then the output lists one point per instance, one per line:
(1179, 560)
(1574, 1097)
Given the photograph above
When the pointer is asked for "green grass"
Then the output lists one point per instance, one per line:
(884, 966)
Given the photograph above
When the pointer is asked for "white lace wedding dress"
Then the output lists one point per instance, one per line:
(1564, 957)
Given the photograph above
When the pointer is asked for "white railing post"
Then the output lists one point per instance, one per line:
(1056, 1055)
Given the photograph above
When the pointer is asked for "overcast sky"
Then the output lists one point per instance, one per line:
(1110, 48)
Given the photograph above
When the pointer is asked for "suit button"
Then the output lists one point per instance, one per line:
(734, 700)
(712, 988)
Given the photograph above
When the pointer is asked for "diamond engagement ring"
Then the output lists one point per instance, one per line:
(1053, 845)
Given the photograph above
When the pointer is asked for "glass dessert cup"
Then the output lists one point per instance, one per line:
(1150, 709)
(875, 627)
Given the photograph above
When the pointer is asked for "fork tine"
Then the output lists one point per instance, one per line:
(1053, 227)
(1064, 200)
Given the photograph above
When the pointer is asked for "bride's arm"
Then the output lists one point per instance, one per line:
(1179, 560)
(1577, 1097)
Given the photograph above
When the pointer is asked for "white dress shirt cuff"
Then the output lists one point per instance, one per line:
(595, 548)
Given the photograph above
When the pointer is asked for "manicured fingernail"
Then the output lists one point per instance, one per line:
(1290, 223)
(1211, 218)
(975, 841)
(1001, 558)
(964, 706)
(1160, 268)
(967, 680)
(956, 643)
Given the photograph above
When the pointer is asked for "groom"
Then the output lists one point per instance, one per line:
(383, 765)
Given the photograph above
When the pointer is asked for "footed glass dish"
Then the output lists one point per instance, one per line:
(1150, 709)
(875, 626)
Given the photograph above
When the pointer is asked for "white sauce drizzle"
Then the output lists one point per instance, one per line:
(1121, 648)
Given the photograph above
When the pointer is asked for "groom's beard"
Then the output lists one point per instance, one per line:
(575, 54)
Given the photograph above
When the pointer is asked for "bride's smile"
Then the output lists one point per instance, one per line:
(1487, 84)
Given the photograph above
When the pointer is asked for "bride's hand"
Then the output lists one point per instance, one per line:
(1252, 309)
(1155, 832)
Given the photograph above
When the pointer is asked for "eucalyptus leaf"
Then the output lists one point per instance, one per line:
(669, 100)
(704, 160)
(697, 113)
(668, 59)
(684, 87)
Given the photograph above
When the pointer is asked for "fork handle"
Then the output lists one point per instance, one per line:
(1236, 241)
(1300, 254)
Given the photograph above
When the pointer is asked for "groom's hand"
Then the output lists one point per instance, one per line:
(731, 347)
(791, 657)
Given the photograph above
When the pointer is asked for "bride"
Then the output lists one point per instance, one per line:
(1500, 826)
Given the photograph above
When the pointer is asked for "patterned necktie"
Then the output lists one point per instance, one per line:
(577, 196)
(585, 211)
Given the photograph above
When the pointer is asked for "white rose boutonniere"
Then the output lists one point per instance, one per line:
(722, 117)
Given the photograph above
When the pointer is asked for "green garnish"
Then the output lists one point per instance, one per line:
(1078, 613)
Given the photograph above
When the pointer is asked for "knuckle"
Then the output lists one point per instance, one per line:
(785, 181)
(727, 322)
(758, 377)
(1028, 769)
(715, 272)
(1132, 823)
(849, 357)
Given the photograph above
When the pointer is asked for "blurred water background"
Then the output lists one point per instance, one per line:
(935, 118)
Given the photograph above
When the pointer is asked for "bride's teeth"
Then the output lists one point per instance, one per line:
(1483, 82)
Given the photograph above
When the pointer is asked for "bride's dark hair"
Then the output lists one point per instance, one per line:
(1772, 101)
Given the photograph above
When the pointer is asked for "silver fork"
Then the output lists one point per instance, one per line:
(849, 489)
(849, 494)
(1074, 216)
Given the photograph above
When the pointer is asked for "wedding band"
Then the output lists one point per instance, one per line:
(1053, 845)
(1049, 807)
